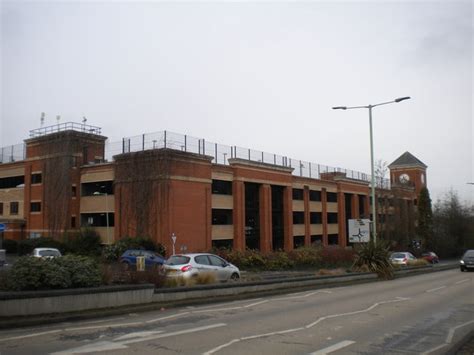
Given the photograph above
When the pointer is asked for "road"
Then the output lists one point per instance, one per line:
(422, 314)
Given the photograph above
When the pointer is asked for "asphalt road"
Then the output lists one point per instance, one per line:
(424, 314)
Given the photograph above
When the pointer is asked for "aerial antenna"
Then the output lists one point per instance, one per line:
(84, 119)
(42, 118)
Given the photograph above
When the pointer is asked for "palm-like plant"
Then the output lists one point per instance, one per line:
(375, 258)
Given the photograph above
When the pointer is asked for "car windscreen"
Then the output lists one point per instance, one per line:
(398, 256)
(178, 260)
(469, 254)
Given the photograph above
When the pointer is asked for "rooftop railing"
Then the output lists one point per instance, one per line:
(222, 153)
(67, 126)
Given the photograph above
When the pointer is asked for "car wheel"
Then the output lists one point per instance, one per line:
(234, 277)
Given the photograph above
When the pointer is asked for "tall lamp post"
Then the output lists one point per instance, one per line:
(372, 180)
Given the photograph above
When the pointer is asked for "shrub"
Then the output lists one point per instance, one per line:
(375, 258)
(278, 261)
(85, 242)
(305, 257)
(336, 256)
(83, 271)
(30, 273)
(200, 279)
(11, 246)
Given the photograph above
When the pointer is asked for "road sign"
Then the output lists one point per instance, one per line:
(359, 230)
(3, 227)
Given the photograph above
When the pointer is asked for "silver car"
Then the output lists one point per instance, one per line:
(188, 266)
(46, 253)
(401, 258)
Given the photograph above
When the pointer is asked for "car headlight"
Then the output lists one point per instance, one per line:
(461, 262)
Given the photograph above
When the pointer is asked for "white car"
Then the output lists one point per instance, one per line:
(402, 258)
(191, 265)
(47, 253)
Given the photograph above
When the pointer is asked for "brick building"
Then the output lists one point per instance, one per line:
(205, 194)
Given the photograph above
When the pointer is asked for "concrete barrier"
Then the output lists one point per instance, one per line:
(57, 302)
(74, 300)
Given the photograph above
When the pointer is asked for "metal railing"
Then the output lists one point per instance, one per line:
(67, 126)
(222, 153)
(12, 153)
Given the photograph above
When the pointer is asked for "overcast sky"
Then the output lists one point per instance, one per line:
(261, 75)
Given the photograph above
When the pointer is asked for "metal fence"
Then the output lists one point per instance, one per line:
(12, 153)
(66, 126)
(222, 153)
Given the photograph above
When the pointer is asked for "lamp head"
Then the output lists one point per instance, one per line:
(402, 98)
(340, 108)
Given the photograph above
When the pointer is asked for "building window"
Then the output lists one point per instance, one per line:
(298, 241)
(11, 182)
(221, 187)
(332, 197)
(36, 178)
(314, 195)
(97, 219)
(316, 217)
(316, 240)
(362, 199)
(13, 208)
(221, 216)
(298, 194)
(1, 208)
(332, 217)
(333, 239)
(298, 217)
(97, 188)
(35, 207)
(74, 191)
(73, 222)
(222, 244)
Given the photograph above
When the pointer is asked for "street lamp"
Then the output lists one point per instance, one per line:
(372, 182)
(106, 212)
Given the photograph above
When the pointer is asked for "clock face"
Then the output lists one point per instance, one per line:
(404, 178)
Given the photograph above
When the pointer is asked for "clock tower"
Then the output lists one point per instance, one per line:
(408, 170)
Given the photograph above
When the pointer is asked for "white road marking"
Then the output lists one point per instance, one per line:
(93, 348)
(256, 303)
(462, 281)
(179, 332)
(333, 348)
(105, 326)
(435, 289)
(398, 299)
(168, 317)
(220, 347)
(117, 345)
(300, 296)
(449, 338)
(138, 335)
(30, 335)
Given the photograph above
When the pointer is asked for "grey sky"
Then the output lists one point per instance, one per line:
(262, 75)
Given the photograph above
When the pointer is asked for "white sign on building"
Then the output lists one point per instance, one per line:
(359, 230)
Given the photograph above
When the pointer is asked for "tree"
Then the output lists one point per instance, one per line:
(381, 169)
(453, 226)
(425, 219)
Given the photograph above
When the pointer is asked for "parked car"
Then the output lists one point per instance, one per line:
(402, 258)
(46, 253)
(152, 259)
(467, 260)
(430, 257)
(191, 265)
